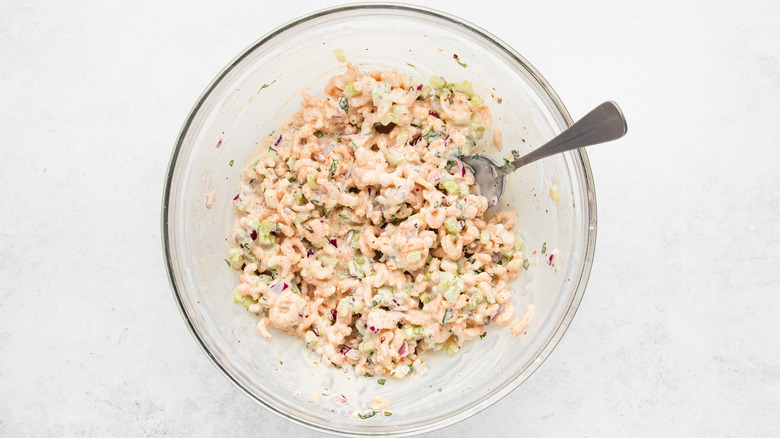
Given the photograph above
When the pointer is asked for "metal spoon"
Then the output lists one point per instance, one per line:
(604, 123)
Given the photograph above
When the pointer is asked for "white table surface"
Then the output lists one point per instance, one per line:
(677, 333)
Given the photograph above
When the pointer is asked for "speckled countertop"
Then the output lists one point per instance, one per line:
(676, 335)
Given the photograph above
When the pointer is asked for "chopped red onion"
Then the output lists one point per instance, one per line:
(253, 234)
(333, 314)
(285, 286)
(310, 252)
(344, 349)
(341, 400)
(279, 140)
(501, 309)
(432, 113)
(419, 87)
(402, 350)
(462, 170)
(243, 266)
(334, 242)
(415, 141)
(353, 354)
(277, 287)
(372, 328)
(236, 197)
(315, 330)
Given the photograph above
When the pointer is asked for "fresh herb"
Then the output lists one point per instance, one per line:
(479, 271)
(462, 64)
(410, 65)
(266, 85)
(334, 162)
(437, 155)
(526, 264)
(430, 134)
(544, 247)
(343, 217)
(482, 336)
(387, 414)
(445, 317)
(381, 381)
(508, 166)
(368, 415)
(436, 204)
(338, 139)
(459, 205)
(440, 389)
(373, 303)
(291, 179)
(246, 245)
(318, 133)
(230, 163)
(516, 155)
(472, 260)
(344, 104)
(226, 261)
(281, 363)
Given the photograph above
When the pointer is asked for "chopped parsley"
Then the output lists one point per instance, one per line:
(381, 381)
(334, 162)
(410, 65)
(472, 260)
(291, 179)
(266, 85)
(318, 133)
(526, 264)
(231, 163)
(368, 415)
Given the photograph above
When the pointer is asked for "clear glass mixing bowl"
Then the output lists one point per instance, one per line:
(259, 90)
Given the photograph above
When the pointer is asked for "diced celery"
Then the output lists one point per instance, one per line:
(290, 162)
(451, 295)
(311, 339)
(244, 300)
(450, 186)
(413, 256)
(437, 82)
(452, 225)
(555, 194)
(426, 91)
(466, 148)
(393, 158)
(465, 87)
(302, 216)
(391, 116)
(343, 307)
(234, 258)
(328, 261)
(484, 237)
(366, 347)
(358, 306)
(425, 298)
(351, 91)
(477, 100)
(452, 348)
(390, 229)
(264, 230)
(475, 301)
(310, 180)
(339, 54)
(299, 198)
(401, 139)
(450, 282)
(360, 260)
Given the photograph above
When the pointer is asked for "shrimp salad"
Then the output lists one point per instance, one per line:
(360, 231)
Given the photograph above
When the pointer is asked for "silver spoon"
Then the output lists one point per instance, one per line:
(604, 123)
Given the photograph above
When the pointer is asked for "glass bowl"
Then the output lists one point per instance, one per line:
(259, 90)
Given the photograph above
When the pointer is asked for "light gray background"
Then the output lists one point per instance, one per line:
(677, 333)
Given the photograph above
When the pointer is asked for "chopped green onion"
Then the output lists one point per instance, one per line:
(477, 100)
(381, 381)
(344, 104)
(334, 162)
(526, 264)
(387, 414)
(544, 247)
(230, 163)
(351, 91)
(368, 415)
(318, 133)
(515, 155)
(425, 298)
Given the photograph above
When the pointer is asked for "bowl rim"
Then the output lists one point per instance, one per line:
(589, 189)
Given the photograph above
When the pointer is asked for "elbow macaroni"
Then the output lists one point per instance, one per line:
(359, 230)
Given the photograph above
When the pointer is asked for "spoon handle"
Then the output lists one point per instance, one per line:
(604, 123)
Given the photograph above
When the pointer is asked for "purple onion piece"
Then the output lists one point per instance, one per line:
(253, 234)
(419, 87)
(277, 287)
(316, 331)
(432, 113)
(344, 349)
(333, 314)
(243, 266)
(372, 328)
(402, 349)
(334, 242)
(310, 252)
(278, 141)
(285, 286)
(236, 197)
